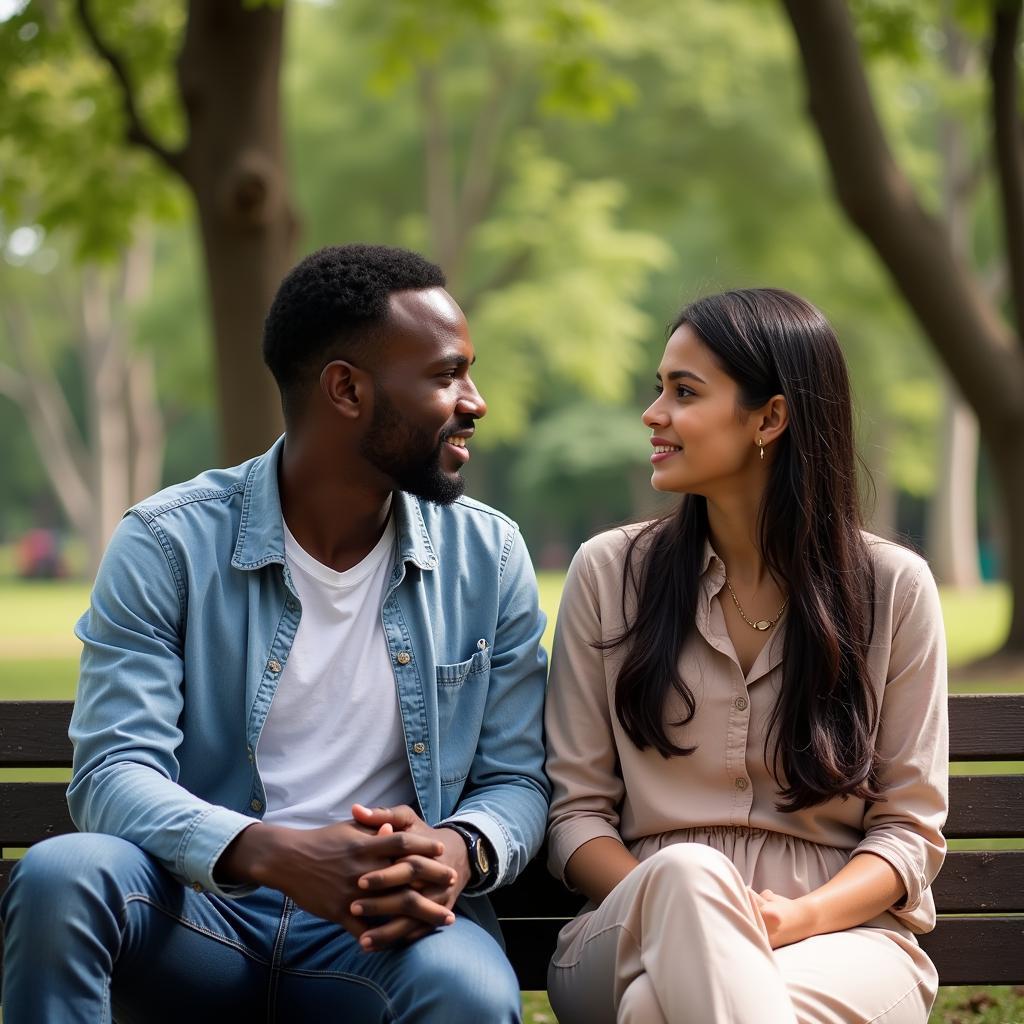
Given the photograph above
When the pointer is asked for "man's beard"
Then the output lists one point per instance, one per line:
(409, 455)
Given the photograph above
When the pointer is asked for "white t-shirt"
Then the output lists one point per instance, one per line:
(334, 736)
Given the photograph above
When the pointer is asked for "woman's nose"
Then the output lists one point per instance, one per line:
(653, 416)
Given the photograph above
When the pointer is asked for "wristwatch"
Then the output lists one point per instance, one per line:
(482, 866)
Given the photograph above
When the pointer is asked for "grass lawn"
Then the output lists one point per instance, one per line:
(39, 660)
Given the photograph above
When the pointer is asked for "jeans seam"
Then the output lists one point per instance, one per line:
(275, 958)
(357, 979)
(185, 922)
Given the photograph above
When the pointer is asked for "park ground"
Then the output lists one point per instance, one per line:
(39, 658)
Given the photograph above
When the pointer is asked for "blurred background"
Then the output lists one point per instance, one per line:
(580, 168)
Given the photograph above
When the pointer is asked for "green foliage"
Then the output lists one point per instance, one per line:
(64, 163)
(561, 43)
(574, 312)
(644, 153)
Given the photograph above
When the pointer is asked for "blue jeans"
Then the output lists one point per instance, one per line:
(95, 928)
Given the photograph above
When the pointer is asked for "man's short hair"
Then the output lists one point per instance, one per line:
(331, 305)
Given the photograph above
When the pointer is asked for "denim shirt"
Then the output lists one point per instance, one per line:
(192, 618)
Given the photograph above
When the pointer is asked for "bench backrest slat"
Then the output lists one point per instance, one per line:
(34, 734)
(31, 811)
(985, 805)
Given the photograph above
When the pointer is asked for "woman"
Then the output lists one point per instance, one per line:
(747, 710)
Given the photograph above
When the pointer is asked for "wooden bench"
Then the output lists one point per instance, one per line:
(980, 895)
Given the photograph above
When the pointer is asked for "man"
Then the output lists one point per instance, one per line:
(270, 652)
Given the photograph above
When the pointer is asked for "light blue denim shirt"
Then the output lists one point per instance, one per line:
(192, 618)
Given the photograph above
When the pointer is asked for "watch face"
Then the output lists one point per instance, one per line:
(481, 858)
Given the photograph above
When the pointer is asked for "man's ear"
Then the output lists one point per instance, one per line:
(347, 388)
(774, 419)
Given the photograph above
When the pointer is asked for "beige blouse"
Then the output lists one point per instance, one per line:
(605, 786)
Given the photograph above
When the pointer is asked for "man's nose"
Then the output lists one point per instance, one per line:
(472, 403)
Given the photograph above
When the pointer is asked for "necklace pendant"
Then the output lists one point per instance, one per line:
(762, 625)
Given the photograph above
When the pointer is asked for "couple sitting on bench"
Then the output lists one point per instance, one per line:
(308, 731)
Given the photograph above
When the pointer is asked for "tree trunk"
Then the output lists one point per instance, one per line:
(1008, 461)
(229, 75)
(952, 542)
(968, 333)
(880, 513)
(953, 516)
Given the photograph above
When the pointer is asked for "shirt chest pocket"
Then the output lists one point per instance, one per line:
(461, 700)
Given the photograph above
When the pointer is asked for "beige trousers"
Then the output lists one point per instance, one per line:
(679, 940)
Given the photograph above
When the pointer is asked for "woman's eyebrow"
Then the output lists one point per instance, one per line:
(683, 375)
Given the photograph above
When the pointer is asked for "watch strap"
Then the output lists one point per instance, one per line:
(482, 866)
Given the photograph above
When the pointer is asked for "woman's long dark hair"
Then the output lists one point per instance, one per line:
(771, 342)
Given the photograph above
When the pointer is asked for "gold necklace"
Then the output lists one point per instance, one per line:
(762, 624)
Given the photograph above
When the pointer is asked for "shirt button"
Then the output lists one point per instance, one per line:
(274, 665)
(403, 657)
(419, 748)
(256, 805)
(740, 703)
(197, 886)
(742, 784)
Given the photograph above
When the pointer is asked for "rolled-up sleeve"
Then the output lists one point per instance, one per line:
(582, 763)
(913, 748)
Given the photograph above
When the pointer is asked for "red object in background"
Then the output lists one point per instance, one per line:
(38, 556)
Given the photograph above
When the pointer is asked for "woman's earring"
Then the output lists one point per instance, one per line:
(760, 447)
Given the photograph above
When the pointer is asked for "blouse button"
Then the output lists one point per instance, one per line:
(403, 657)
(274, 665)
(742, 784)
(740, 703)
(419, 748)
(256, 805)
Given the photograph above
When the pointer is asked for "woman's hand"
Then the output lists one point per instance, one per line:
(787, 920)
(860, 891)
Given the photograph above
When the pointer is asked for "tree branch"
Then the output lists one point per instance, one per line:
(510, 272)
(1006, 143)
(136, 132)
(965, 328)
(477, 190)
(439, 171)
(13, 385)
(53, 432)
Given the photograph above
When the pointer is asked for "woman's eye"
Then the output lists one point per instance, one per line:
(683, 392)
(658, 389)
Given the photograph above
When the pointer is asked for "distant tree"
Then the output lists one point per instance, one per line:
(981, 347)
(85, 79)
(99, 467)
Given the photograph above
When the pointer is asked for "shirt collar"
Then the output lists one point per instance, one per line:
(712, 562)
(260, 538)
